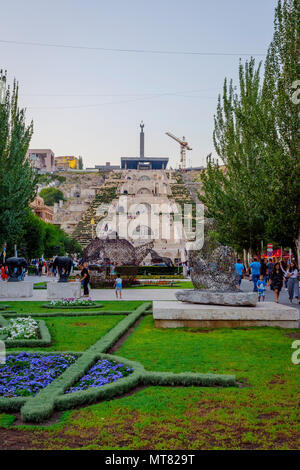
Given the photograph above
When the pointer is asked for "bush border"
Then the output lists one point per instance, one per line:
(42, 406)
(16, 403)
(72, 306)
(65, 314)
(53, 397)
(43, 341)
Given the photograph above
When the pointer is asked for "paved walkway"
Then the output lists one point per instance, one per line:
(146, 294)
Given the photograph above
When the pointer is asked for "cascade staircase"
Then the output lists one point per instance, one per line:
(84, 231)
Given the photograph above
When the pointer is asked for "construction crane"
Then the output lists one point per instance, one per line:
(184, 146)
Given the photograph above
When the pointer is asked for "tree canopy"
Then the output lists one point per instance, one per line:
(51, 195)
(256, 137)
(17, 178)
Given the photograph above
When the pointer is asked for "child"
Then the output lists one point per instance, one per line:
(261, 286)
(118, 286)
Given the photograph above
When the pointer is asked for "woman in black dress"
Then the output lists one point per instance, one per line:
(276, 280)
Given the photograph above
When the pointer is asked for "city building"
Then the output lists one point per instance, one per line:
(42, 160)
(67, 162)
(45, 213)
(142, 162)
(106, 167)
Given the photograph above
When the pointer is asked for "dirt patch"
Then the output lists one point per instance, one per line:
(268, 415)
(13, 439)
(199, 331)
(54, 418)
(80, 324)
(278, 380)
(294, 335)
(123, 338)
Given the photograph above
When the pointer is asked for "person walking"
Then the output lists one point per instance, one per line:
(255, 270)
(291, 274)
(40, 267)
(118, 287)
(4, 272)
(270, 267)
(239, 268)
(261, 286)
(263, 268)
(276, 280)
(85, 279)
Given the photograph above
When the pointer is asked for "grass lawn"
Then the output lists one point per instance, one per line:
(262, 414)
(76, 333)
(36, 306)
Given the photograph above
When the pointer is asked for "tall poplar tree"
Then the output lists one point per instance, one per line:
(234, 196)
(17, 178)
(282, 134)
(257, 138)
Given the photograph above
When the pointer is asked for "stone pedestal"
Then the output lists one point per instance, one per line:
(63, 290)
(16, 290)
(209, 297)
(173, 314)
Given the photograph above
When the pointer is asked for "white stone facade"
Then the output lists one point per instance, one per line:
(145, 211)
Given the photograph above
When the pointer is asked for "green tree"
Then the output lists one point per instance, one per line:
(17, 178)
(282, 134)
(34, 237)
(51, 196)
(46, 239)
(257, 138)
(234, 197)
(80, 163)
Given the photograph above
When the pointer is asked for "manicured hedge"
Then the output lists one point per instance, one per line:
(3, 322)
(53, 397)
(3, 307)
(159, 270)
(41, 406)
(75, 307)
(189, 378)
(43, 341)
(16, 403)
(31, 269)
(93, 394)
(66, 314)
(109, 283)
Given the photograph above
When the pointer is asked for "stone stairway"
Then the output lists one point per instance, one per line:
(84, 231)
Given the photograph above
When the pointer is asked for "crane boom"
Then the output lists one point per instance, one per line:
(184, 146)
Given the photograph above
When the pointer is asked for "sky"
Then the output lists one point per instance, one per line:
(90, 102)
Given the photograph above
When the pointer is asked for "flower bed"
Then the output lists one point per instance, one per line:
(25, 374)
(20, 328)
(73, 303)
(102, 373)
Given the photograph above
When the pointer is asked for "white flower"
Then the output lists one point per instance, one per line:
(21, 328)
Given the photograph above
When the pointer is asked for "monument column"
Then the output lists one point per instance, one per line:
(142, 141)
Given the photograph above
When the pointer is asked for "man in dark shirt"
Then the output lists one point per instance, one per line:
(270, 267)
(263, 269)
(85, 279)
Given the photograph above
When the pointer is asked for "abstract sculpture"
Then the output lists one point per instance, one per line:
(213, 274)
(116, 251)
